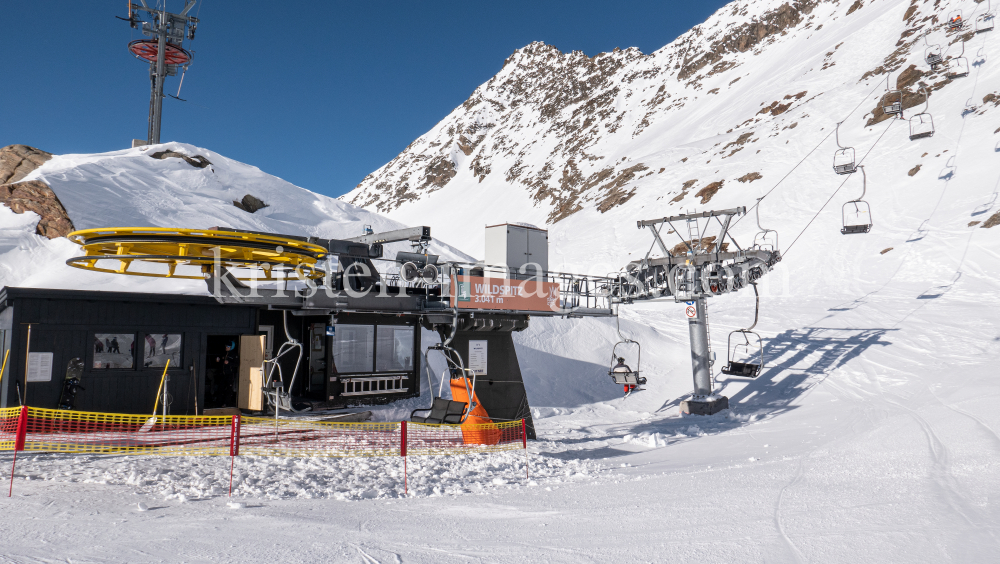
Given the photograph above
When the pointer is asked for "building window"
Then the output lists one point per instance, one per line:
(353, 348)
(395, 348)
(159, 347)
(114, 350)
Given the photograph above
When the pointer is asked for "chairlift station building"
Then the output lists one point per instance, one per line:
(357, 349)
(358, 319)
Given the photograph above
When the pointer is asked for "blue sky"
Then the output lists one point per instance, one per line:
(318, 93)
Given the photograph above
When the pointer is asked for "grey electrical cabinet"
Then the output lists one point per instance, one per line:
(516, 246)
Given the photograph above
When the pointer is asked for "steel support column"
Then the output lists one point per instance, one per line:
(701, 367)
(159, 75)
(702, 401)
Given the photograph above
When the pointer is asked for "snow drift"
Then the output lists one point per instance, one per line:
(128, 188)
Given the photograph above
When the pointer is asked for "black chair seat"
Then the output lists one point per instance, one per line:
(852, 229)
(628, 378)
(441, 411)
(742, 369)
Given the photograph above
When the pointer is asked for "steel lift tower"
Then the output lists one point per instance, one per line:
(699, 267)
(163, 51)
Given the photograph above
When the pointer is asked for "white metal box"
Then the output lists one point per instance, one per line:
(515, 246)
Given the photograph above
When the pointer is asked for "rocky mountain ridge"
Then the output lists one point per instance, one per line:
(576, 102)
(559, 133)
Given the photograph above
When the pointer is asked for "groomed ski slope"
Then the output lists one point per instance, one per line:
(872, 435)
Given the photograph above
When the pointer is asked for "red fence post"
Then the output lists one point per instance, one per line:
(524, 441)
(22, 432)
(402, 452)
(234, 449)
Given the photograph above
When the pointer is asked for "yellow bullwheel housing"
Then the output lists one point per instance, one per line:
(191, 253)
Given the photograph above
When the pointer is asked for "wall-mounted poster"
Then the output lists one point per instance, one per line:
(477, 357)
(40, 367)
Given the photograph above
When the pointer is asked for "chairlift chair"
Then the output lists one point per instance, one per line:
(751, 350)
(442, 410)
(766, 239)
(958, 66)
(932, 53)
(621, 373)
(984, 21)
(843, 158)
(892, 100)
(955, 20)
(856, 214)
(922, 124)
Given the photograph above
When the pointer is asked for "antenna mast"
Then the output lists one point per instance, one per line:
(163, 51)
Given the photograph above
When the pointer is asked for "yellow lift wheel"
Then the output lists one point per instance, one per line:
(195, 247)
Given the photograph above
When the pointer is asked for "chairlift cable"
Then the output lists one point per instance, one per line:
(783, 178)
(784, 254)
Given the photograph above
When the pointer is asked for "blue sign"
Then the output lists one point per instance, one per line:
(331, 330)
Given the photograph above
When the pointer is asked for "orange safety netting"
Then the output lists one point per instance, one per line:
(8, 427)
(49, 430)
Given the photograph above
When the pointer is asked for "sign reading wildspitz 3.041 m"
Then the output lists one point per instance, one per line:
(471, 292)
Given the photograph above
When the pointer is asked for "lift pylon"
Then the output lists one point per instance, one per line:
(164, 51)
(696, 271)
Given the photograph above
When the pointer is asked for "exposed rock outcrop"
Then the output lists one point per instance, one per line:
(250, 203)
(36, 196)
(993, 221)
(747, 36)
(17, 161)
(196, 161)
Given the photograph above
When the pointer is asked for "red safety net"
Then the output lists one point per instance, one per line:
(49, 430)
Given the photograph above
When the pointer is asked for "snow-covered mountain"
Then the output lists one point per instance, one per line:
(131, 188)
(742, 106)
(872, 433)
(712, 120)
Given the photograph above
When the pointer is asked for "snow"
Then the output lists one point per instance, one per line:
(128, 188)
(871, 436)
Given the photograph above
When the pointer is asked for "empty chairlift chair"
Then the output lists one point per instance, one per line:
(746, 359)
(765, 239)
(922, 124)
(933, 54)
(857, 214)
(443, 410)
(843, 158)
(958, 66)
(984, 21)
(892, 100)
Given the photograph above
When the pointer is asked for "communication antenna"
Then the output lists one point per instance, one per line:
(163, 50)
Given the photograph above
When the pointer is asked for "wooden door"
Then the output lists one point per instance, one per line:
(251, 372)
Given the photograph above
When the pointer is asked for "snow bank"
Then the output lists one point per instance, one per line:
(128, 188)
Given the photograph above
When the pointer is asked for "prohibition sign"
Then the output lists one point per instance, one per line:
(690, 311)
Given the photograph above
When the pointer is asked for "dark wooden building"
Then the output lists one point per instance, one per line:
(124, 340)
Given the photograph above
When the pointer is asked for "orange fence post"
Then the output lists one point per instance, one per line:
(524, 441)
(402, 452)
(22, 431)
(234, 449)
